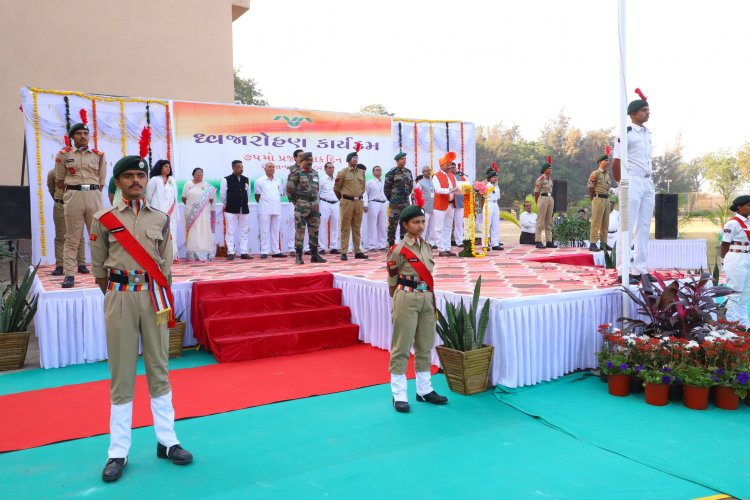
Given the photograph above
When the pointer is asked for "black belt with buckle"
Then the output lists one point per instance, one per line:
(329, 201)
(545, 194)
(82, 187)
(351, 198)
(131, 279)
(605, 196)
(59, 201)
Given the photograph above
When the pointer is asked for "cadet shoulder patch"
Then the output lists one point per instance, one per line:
(392, 267)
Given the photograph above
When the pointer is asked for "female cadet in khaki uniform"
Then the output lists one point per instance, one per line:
(410, 284)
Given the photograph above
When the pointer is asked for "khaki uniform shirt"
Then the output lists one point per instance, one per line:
(350, 182)
(81, 167)
(599, 181)
(398, 264)
(150, 228)
(543, 184)
(54, 191)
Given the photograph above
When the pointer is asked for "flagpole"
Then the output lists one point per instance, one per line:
(623, 198)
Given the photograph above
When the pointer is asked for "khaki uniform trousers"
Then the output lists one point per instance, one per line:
(413, 323)
(351, 220)
(599, 219)
(80, 207)
(128, 317)
(544, 208)
(58, 215)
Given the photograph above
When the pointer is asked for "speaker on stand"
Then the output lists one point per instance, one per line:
(15, 222)
(666, 216)
(560, 195)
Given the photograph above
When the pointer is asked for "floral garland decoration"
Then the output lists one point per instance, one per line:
(93, 124)
(148, 124)
(416, 152)
(169, 135)
(67, 114)
(39, 172)
(400, 141)
(447, 137)
(463, 162)
(470, 217)
(124, 144)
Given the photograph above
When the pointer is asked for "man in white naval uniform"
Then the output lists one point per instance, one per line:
(377, 218)
(492, 214)
(329, 211)
(735, 258)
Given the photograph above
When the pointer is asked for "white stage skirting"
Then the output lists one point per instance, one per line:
(535, 338)
(677, 254)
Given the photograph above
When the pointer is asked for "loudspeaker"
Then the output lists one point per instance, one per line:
(560, 195)
(15, 213)
(666, 216)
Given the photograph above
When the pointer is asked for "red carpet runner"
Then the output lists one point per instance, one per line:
(571, 259)
(37, 418)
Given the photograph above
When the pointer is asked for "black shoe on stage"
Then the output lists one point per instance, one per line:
(113, 469)
(551, 245)
(334, 251)
(322, 252)
(246, 256)
(57, 272)
(69, 282)
(344, 257)
(607, 247)
(264, 256)
(279, 255)
(176, 454)
(433, 397)
(498, 247)
(83, 270)
(360, 255)
(230, 256)
(298, 256)
(593, 248)
(453, 243)
(316, 258)
(401, 406)
(539, 244)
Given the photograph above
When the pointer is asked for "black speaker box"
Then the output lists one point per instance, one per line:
(560, 195)
(666, 216)
(15, 213)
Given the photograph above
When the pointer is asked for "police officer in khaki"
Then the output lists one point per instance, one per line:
(598, 185)
(58, 216)
(130, 315)
(81, 173)
(545, 205)
(349, 187)
(410, 266)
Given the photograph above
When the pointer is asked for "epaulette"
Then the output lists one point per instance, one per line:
(628, 129)
(66, 150)
(103, 211)
(97, 152)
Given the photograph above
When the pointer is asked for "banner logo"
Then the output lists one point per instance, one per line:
(293, 122)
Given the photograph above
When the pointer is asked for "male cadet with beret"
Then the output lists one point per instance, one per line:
(350, 188)
(131, 256)
(58, 215)
(302, 189)
(397, 188)
(410, 283)
(81, 173)
(641, 193)
(735, 258)
(545, 205)
(598, 185)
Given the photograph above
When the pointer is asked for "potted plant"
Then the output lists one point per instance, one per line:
(696, 385)
(17, 310)
(619, 372)
(466, 360)
(656, 382)
(177, 337)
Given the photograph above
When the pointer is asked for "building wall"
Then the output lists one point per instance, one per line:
(174, 49)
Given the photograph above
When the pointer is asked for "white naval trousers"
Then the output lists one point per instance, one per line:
(329, 240)
(641, 200)
(493, 218)
(236, 223)
(377, 224)
(737, 271)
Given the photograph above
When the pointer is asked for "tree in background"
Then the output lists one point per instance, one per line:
(246, 91)
(743, 160)
(723, 173)
(376, 109)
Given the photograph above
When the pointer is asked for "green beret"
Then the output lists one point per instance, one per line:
(399, 156)
(76, 127)
(491, 173)
(740, 200)
(410, 212)
(306, 156)
(132, 162)
(361, 167)
(545, 167)
(602, 157)
(350, 156)
(636, 105)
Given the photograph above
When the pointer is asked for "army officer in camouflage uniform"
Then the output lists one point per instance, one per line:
(397, 187)
(302, 188)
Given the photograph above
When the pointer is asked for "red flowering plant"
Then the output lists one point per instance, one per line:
(656, 359)
(726, 355)
(616, 354)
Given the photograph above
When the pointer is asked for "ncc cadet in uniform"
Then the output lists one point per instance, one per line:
(397, 187)
(545, 205)
(302, 188)
(81, 173)
(349, 187)
(131, 256)
(410, 283)
(58, 215)
(735, 258)
(598, 185)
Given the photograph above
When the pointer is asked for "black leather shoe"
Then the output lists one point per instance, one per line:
(433, 397)
(344, 257)
(230, 256)
(453, 243)
(593, 248)
(279, 255)
(69, 282)
(176, 454)
(298, 257)
(334, 251)
(315, 256)
(83, 270)
(322, 252)
(246, 256)
(551, 245)
(57, 272)
(113, 469)
(360, 255)
(498, 247)
(401, 406)
(539, 244)
(264, 256)
(607, 248)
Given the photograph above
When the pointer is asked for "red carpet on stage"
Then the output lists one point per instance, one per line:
(571, 259)
(36, 418)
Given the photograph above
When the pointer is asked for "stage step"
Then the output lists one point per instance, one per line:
(276, 316)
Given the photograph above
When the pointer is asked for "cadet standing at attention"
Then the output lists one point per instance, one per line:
(58, 215)
(599, 193)
(131, 256)
(302, 189)
(397, 187)
(410, 283)
(350, 188)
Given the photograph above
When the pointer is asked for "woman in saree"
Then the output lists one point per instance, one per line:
(199, 198)
(161, 193)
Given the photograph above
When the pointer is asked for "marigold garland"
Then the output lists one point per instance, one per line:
(93, 124)
(463, 161)
(416, 152)
(169, 135)
(39, 173)
(469, 221)
(122, 129)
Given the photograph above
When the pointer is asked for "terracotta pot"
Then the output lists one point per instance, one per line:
(657, 394)
(725, 398)
(695, 398)
(619, 385)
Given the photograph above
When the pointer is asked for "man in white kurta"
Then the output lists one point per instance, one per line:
(377, 218)
(328, 234)
(268, 192)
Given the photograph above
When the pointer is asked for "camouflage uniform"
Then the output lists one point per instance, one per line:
(397, 187)
(302, 189)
